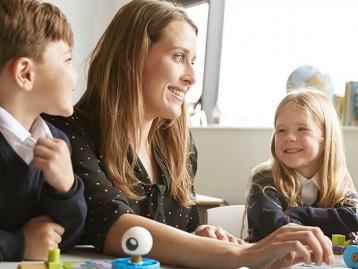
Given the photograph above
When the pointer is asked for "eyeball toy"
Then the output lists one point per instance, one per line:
(136, 241)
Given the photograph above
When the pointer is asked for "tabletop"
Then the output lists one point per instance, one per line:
(82, 256)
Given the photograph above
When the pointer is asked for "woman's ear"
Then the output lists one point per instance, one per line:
(22, 72)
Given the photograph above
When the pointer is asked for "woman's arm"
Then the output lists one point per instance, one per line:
(172, 246)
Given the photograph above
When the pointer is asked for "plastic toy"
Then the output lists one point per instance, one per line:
(53, 261)
(354, 238)
(339, 243)
(136, 241)
(350, 256)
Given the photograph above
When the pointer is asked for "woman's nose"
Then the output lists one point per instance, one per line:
(189, 76)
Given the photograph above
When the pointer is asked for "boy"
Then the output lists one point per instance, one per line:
(41, 200)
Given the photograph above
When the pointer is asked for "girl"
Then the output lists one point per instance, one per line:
(307, 181)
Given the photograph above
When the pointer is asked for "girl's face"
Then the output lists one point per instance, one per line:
(168, 71)
(297, 142)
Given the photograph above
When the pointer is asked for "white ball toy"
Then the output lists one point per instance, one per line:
(137, 241)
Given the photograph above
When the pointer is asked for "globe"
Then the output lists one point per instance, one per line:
(308, 75)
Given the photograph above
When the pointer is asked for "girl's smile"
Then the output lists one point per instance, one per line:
(297, 141)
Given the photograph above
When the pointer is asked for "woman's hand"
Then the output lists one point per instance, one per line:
(289, 245)
(216, 232)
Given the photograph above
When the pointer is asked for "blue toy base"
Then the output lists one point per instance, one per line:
(126, 263)
(350, 256)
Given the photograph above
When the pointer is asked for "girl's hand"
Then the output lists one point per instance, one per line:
(287, 212)
(250, 237)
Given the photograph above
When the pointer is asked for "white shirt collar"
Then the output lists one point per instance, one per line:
(40, 129)
(302, 179)
(309, 188)
(11, 125)
(21, 140)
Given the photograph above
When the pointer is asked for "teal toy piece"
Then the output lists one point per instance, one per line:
(136, 241)
(350, 256)
(126, 263)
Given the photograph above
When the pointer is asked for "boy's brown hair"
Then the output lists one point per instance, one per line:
(28, 26)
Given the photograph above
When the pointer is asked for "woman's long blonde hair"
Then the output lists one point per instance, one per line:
(335, 182)
(114, 98)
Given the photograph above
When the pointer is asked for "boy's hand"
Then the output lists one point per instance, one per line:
(41, 234)
(52, 157)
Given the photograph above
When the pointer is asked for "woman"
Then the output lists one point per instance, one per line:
(135, 154)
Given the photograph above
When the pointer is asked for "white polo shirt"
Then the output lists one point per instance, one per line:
(21, 140)
(309, 188)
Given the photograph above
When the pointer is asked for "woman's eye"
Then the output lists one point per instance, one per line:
(180, 57)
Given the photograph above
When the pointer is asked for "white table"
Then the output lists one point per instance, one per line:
(339, 263)
(79, 253)
(83, 253)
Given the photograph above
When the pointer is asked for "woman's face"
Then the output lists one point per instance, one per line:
(168, 71)
(297, 143)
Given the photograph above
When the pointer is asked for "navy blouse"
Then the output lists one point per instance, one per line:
(265, 212)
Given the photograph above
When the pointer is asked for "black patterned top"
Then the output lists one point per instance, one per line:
(105, 202)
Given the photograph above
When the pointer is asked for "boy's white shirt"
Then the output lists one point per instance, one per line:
(309, 188)
(21, 140)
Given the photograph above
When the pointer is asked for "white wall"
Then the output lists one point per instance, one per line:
(227, 156)
(89, 19)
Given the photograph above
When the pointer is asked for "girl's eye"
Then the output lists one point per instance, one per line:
(280, 131)
(69, 59)
(302, 129)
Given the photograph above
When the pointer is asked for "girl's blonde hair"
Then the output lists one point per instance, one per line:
(334, 179)
(114, 98)
(335, 182)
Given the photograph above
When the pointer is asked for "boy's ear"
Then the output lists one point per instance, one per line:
(22, 71)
